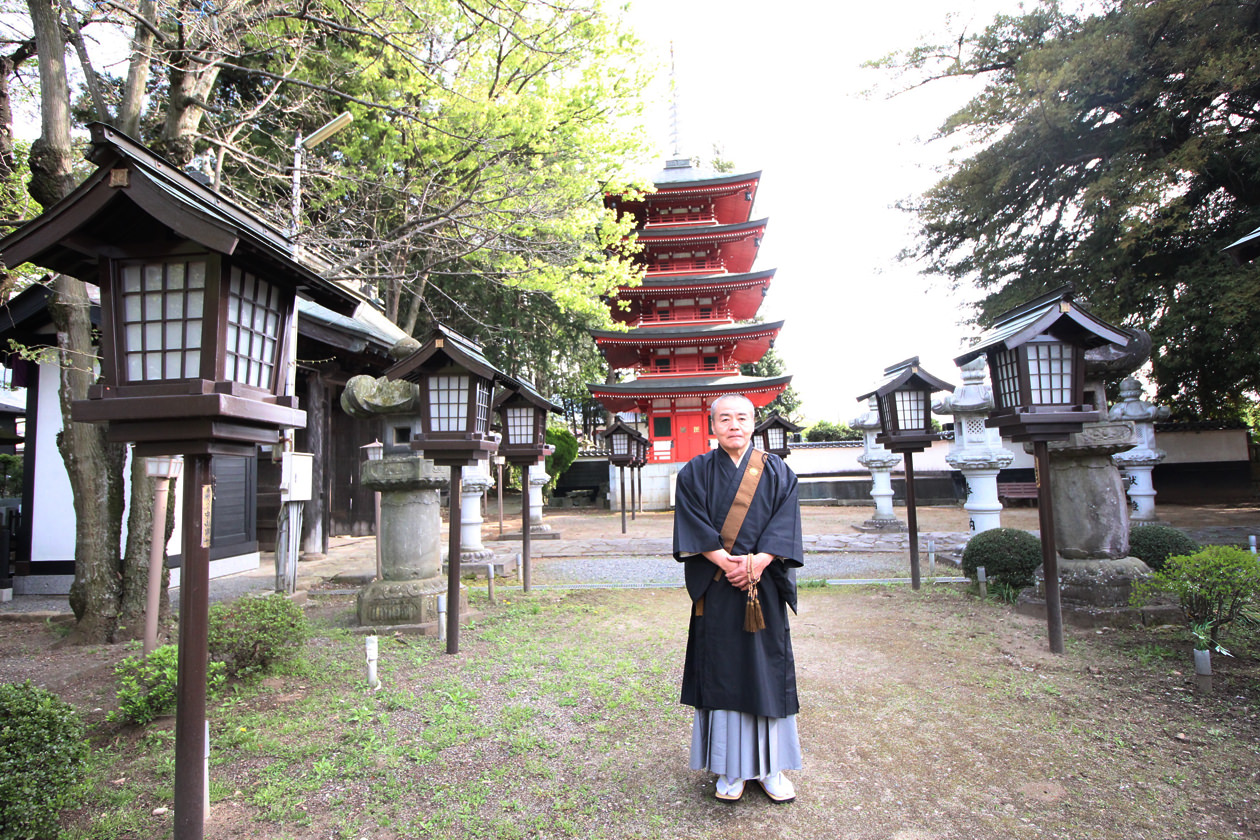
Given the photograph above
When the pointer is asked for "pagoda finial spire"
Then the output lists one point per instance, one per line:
(675, 133)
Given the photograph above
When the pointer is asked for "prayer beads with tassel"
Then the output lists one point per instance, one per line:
(753, 619)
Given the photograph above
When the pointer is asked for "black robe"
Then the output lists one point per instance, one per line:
(728, 667)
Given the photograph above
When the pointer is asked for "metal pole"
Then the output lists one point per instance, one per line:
(194, 606)
(297, 183)
(622, 472)
(452, 564)
(157, 554)
(912, 520)
(380, 563)
(525, 559)
(639, 476)
(1049, 553)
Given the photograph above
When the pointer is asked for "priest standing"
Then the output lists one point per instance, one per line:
(737, 529)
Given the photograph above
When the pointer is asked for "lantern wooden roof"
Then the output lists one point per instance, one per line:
(907, 373)
(446, 345)
(520, 388)
(136, 199)
(777, 420)
(1054, 314)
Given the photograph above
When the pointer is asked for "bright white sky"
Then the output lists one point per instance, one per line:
(780, 86)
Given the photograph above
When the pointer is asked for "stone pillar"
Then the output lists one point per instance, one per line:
(1138, 463)
(476, 481)
(538, 479)
(880, 462)
(977, 450)
(410, 540)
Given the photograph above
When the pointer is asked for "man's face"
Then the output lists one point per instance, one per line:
(733, 425)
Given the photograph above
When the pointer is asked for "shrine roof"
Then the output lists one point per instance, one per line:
(690, 385)
(671, 334)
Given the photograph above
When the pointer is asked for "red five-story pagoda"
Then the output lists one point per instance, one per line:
(691, 321)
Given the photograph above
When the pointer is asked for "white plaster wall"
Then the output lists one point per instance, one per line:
(1203, 447)
(52, 516)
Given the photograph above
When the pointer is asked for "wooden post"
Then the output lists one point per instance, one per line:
(525, 561)
(1049, 553)
(622, 472)
(452, 565)
(634, 498)
(194, 607)
(912, 521)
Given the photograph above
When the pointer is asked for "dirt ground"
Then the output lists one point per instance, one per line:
(925, 716)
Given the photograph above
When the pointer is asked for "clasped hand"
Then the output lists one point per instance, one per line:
(736, 568)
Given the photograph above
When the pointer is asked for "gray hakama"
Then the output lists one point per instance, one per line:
(743, 746)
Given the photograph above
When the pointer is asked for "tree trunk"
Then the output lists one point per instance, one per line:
(134, 594)
(138, 73)
(52, 175)
(94, 468)
(314, 540)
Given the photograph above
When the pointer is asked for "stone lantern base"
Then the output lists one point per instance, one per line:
(1096, 592)
(390, 603)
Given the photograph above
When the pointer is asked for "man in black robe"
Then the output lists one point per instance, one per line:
(742, 683)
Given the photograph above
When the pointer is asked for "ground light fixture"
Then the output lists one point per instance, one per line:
(1036, 357)
(904, 401)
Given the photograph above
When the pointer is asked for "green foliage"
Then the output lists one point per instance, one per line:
(566, 451)
(10, 476)
(1115, 151)
(1154, 544)
(1008, 555)
(1215, 587)
(250, 635)
(147, 685)
(42, 754)
(826, 430)
(786, 403)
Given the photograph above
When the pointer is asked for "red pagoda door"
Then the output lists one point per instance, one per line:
(691, 435)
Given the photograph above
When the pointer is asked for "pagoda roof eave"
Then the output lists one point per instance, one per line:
(640, 335)
(698, 232)
(689, 281)
(700, 386)
(662, 184)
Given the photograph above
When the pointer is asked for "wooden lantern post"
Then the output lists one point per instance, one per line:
(455, 381)
(620, 437)
(904, 402)
(523, 415)
(1036, 358)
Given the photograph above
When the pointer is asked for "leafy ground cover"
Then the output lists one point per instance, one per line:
(925, 715)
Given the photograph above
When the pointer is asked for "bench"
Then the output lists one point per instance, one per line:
(1017, 490)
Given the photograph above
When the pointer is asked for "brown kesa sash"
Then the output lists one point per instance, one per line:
(739, 509)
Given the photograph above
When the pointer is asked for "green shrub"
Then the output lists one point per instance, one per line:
(1214, 587)
(1009, 556)
(147, 684)
(1153, 544)
(42, 754)
(250, 635)
(825, 430)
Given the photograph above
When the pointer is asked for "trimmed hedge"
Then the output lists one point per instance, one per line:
(1008, 555)
(42, 756)
(1154, 544)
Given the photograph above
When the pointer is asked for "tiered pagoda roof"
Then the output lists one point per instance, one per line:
(688, 332)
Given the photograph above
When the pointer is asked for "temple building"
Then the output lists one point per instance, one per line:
(690, 324)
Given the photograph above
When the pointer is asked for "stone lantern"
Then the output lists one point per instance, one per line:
(977, 450)
(1139, 462)
(880, 462)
